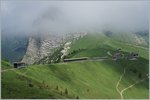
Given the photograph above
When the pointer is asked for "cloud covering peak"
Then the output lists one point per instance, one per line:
(25, 17)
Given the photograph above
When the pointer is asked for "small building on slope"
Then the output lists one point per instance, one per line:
(19, 64)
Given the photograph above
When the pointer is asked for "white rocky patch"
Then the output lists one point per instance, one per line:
(65, 49)
(40, 46)
(139, 40)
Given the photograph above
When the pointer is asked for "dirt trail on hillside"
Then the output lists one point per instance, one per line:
(119, 83)
(7, 70)
(136, 46)
(122, 91)
(130, 86)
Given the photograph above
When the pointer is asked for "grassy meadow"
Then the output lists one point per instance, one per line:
(83, 79)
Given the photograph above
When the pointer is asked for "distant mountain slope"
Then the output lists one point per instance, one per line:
(144, 34)
(13, 47)
(137, 38)
(98, 45)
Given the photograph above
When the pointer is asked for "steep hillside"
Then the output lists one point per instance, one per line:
(135, 38)
(90, 79)
(43, 45)
(103, 79)
(99, 44)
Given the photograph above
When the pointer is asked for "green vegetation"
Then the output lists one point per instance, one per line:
(90, 79)
(130, 38)
(99, 44)
(55, 57)
(16, 86)
(5, 65)
(85, 79)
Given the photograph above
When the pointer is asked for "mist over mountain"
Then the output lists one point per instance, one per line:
(24, 17)
(23, 21)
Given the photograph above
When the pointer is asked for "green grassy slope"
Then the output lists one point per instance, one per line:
(86, 79)
(90, 79)
(5, 65)
(16, 86)
(139, 38)
(99, 45)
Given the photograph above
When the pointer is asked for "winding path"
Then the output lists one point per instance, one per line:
(130, 86)
(119, 83)
(7, 70)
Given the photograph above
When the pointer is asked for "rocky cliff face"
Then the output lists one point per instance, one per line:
(40, 46)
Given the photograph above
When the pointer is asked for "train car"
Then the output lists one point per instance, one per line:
(75, 59)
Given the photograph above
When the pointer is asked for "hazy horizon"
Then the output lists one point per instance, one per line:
(25, 17)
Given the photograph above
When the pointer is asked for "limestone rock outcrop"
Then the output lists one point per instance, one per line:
(40, 46)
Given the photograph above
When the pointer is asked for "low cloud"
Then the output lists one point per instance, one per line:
(26, 17)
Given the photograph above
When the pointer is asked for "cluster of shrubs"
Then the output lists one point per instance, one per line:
(65, 92)
(53, 58)
(30, 84)
(140, 76)
(44, 85)
(22, 77)
(74, 52)
(40, 85)
(56, 56)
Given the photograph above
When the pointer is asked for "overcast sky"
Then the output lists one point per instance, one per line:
(63, 16)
